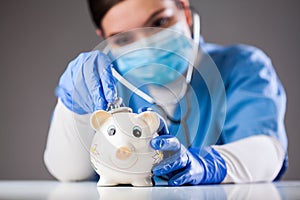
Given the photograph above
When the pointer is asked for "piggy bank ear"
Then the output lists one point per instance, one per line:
(98, 118)
(151, 119)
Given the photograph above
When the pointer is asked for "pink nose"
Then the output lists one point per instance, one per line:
(123, 153)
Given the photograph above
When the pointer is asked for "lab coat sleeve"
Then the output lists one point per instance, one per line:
(67, 151)
(253, 159)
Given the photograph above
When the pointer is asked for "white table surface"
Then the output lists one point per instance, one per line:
(88, 190)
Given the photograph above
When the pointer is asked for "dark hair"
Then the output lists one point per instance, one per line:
(98, 8)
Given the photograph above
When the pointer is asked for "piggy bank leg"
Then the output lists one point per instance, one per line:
(103, 181)
(143, 182)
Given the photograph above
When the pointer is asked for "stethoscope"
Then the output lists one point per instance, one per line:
(152, 101)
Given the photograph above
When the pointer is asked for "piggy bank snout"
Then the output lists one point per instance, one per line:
(124, 152)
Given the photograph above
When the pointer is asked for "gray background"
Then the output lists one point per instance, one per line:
(38, 39)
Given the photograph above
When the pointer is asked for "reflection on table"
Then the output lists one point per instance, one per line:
(88, 190)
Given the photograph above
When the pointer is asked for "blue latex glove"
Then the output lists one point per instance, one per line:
(87, 84)
(191, 166)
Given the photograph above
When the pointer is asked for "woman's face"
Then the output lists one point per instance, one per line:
(131, 14)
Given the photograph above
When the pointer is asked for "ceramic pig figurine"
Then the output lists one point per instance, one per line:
(120, 151)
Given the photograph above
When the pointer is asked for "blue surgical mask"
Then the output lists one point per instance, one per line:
(157, 59)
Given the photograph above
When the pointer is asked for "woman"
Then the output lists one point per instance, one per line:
(246, 142)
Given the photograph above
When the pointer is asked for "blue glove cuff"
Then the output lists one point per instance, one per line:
(213, 164)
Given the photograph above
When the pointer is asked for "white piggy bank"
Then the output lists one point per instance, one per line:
(120, 152)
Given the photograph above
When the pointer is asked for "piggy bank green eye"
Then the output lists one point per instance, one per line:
(137, 131)
(111, 131)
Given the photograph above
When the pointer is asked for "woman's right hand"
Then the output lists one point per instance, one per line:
(87, 84)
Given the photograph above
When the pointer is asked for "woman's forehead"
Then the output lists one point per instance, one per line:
(130, 14)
